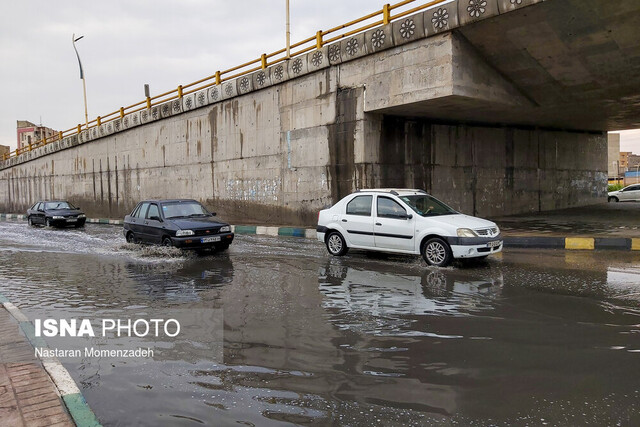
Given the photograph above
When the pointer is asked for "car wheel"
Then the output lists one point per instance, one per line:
(222, 247)
(47, 222)
(30, 221)
(130, 238)
(613, 199)
(336, 245)
(167, 241)
(437, 252)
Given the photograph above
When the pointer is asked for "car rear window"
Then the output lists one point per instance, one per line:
(360, 205)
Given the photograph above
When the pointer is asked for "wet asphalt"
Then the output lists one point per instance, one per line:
(529, 337)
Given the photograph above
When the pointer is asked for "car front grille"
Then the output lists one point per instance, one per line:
(207, 231)
(487, 232)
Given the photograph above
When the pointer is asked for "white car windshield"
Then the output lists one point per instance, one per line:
(182, 210)
(425, 205)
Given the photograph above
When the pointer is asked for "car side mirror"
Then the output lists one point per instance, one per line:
(155, 218)
(41, 210)
(405, 216)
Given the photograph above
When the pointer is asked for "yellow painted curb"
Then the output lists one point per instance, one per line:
(635, 244)
(579, 243)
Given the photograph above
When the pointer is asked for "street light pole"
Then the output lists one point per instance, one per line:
(84, 85)
(288, 32)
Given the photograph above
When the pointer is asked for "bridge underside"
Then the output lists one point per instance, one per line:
(570, 64)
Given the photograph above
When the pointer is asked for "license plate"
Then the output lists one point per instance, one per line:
(494, 244)
(210, 239)
(72, 219)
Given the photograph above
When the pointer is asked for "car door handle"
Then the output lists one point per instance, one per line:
(344, 220)
(377, 223)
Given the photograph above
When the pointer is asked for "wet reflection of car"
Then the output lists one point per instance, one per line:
(389, 295)
(55, 213)
(182, 223)
(178, 281)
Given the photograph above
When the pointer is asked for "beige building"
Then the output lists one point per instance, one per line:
(614, 155)
(4, 150)
(29, 133)
(624, 160)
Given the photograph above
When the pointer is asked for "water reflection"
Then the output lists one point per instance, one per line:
(386, 297)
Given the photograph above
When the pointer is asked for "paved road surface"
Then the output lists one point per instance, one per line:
(531, 337)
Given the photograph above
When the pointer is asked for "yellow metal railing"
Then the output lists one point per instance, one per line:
(380, 17)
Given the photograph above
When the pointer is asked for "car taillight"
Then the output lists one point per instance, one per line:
(318, 216)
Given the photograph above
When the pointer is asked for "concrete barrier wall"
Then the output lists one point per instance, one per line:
(258, 158)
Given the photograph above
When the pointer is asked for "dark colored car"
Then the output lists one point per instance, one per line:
(55, 213)
(181, 223)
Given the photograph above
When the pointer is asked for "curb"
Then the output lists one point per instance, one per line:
(567, 243)
(71, 395)
(309, 233)
(574, 243)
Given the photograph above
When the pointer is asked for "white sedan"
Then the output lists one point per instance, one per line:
(629, 193)
(405, 221)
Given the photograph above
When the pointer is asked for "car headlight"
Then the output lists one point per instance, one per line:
(57, 217)
(181, 233)
(466, 232)
(82, 216)
(225, 229)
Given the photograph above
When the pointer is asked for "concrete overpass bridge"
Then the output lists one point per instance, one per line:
(496, 106)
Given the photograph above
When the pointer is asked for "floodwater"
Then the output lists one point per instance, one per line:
(531, 337)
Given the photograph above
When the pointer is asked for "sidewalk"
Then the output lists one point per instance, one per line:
(604, 220)
(613, 226)
(28, 397)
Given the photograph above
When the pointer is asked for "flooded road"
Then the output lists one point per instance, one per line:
(531, 338)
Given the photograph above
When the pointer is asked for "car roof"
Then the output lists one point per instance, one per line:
(394, 191)
(168, 201)
(52, 201)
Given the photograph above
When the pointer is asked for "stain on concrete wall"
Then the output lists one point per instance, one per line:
(342, 136)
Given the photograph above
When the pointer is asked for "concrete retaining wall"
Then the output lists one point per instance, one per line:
(488, 170)
(275, 148)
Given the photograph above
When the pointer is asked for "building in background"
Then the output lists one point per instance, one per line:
(29, 133)
(624, 160)
(614, 155)
(4, 150)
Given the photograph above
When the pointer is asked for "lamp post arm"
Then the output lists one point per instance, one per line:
(84, 85)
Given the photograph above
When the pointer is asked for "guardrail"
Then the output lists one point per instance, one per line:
(380, 17)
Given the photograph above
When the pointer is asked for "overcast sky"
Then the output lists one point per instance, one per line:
(129, 43)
